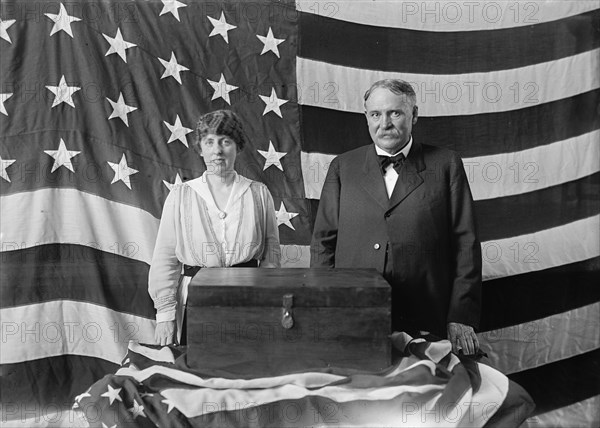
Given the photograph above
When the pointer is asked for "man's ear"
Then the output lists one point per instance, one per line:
(415, 114)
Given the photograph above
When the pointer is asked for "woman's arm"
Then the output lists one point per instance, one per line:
(165, 268)
(271, 257)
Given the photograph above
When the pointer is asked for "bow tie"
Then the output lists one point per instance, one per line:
(396, 161)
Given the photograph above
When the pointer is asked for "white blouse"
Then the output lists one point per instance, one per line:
(194, 232)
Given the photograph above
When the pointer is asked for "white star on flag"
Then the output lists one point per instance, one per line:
(178, 131)
(172, 6)
(63, 93)
(62, 156)
(222, 89)
(137, 410)
(5, 25)
(170, 186)
(118, 45)
(220, 27)
(4, 97)
(272, 156)
(169, 403)
(273, 103)
(120, 109)
(112, 394)
(5, 163)
(172, 68)
(62, 21)
(122, 172)
(284, 217)
(270, 43)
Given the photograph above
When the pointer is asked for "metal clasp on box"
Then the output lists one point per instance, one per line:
(287, 316)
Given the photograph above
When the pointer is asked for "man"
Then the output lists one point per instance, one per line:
(405, 208)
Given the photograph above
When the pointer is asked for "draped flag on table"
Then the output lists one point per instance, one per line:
(97, 110)
(427, 387)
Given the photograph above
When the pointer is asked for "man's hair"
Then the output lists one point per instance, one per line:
(397, 86)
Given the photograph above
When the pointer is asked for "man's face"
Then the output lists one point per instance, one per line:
(390, 118)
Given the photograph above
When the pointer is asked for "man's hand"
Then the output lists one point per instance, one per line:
(463, 337)
(165, 333)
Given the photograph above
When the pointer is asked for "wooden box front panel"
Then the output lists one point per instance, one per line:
(237, 332)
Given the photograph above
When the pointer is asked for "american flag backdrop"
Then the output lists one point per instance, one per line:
(99, 101)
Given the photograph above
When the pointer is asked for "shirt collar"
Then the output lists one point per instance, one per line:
(404, 150)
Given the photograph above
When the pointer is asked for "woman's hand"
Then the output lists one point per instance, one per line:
(165, 333)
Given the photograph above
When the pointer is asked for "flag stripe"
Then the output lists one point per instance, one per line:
(25, 386)
(539, 249)
(536, 343)
(541, 294)
(447, 16)
(584, 414)
(529, 252)
(386, 49)
(335, 132)
(463, 94)
(562, 383)
(50, 329)
(538, 210)
(110, 226)
(497, 175)
(79, 276)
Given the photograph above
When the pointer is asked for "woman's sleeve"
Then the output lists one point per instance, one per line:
(165, 268)
(272, 252)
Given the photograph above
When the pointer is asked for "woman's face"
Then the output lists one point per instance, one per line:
(219, 153)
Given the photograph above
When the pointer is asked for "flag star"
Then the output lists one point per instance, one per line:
(284, 217)
(63, 93)
(222, 89)
(62, 156)
(270, 43)
(5, 163)
(170, 186)
(122, 172)
(120, 109)
(178, 131)
(5, 25)
(220, 27)
(118, 45)
(62, 21)
(137, 410)
(169, 403)
(172, 6)
(273, 103)
(172, 68)
(82, 396)
(4, 97)
(272, 157)
(112, 394)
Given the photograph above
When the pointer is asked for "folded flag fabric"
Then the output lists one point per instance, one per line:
(427, 386)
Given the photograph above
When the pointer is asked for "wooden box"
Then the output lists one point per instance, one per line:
(249, 322)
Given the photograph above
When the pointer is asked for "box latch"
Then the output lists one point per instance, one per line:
(287, 316)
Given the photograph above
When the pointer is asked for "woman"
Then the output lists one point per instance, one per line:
(220, 219)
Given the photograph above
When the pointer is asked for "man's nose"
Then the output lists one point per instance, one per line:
(386, 121)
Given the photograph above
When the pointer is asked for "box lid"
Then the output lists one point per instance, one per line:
(310, 287)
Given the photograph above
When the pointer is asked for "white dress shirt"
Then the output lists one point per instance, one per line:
(391, 176)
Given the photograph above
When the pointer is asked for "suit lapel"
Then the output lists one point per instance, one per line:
(410, 177)
(373, 182)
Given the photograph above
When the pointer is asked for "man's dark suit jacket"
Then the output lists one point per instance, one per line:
(423, 239)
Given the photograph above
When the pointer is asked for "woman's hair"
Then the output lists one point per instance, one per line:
(220, 122)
